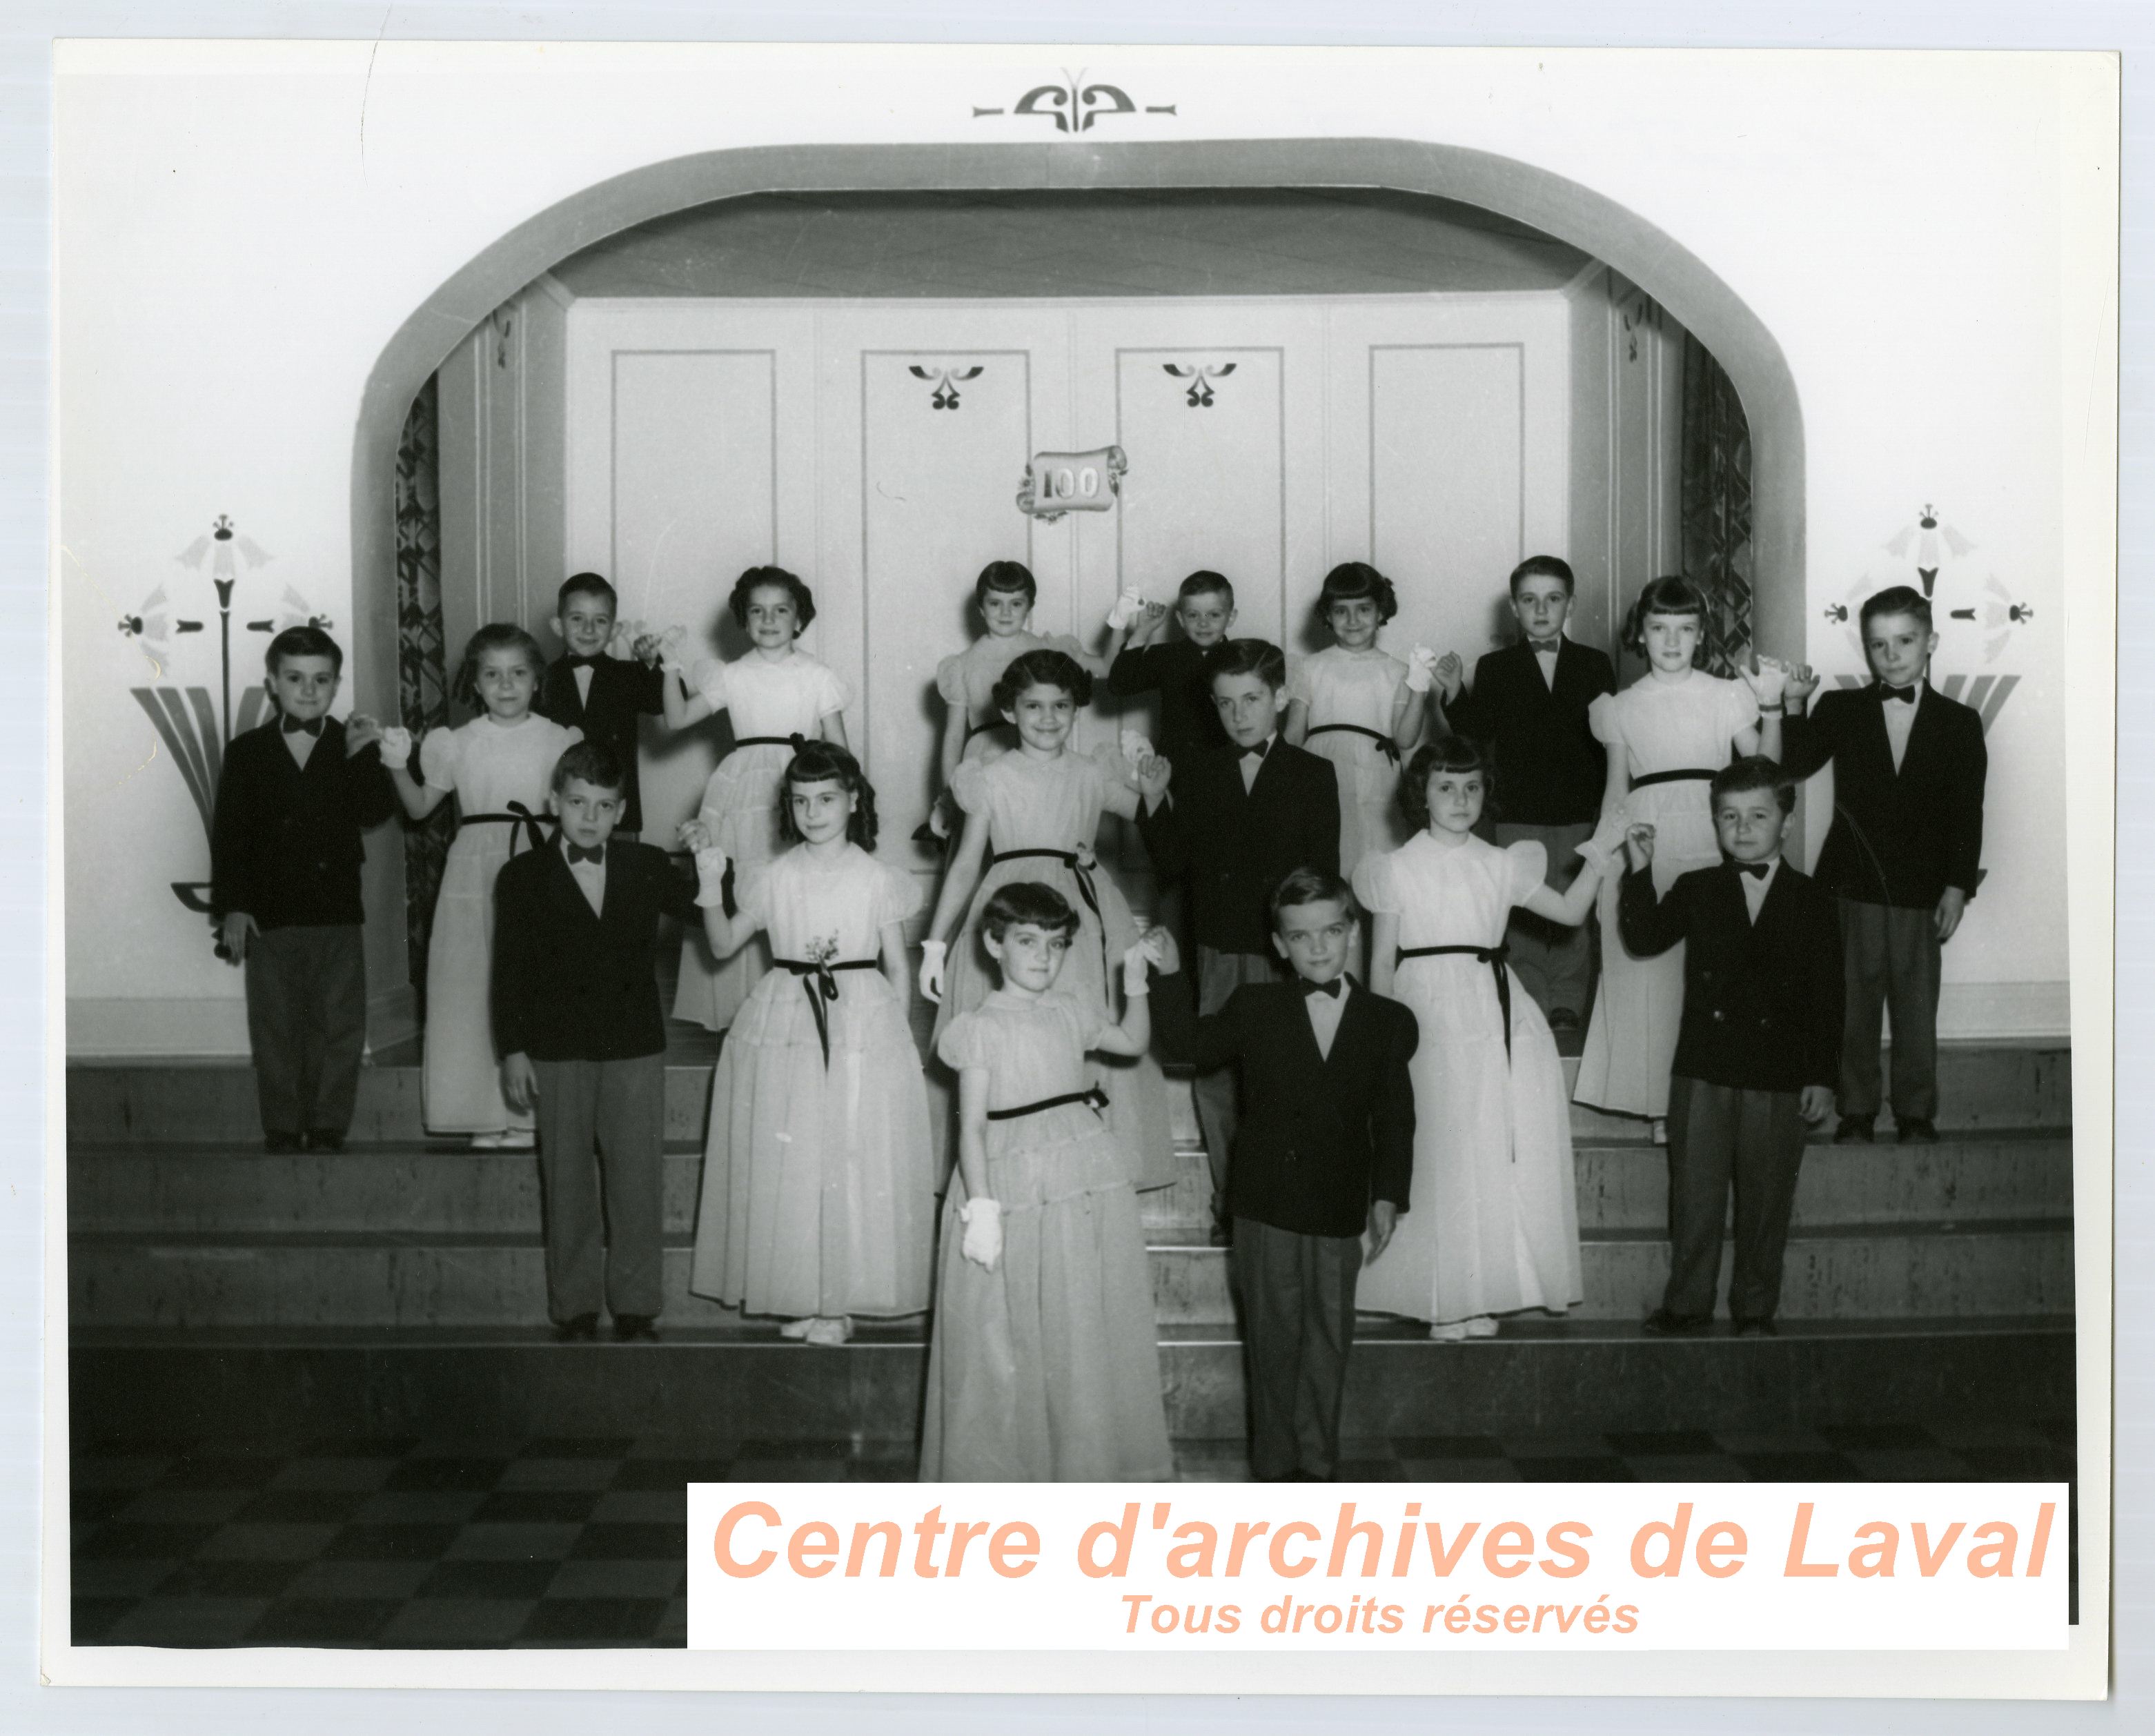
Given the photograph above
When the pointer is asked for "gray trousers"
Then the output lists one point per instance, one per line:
(1892, 959)
(1298, 1300)
(306, 1022)
(1719, 1134)
(618, 1110)
(1555, 963)
(1219, 975)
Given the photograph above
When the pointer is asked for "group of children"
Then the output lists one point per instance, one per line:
(1385, 1117)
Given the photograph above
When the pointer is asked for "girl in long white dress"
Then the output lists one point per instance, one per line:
(1667, 733)
(1494, 1227)
(819, 1191)
(1350, 704)
(776, 698)
(500, 767)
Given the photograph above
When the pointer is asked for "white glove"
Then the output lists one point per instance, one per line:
(983, 1220)
(1770, 684)
(710, 875)
(1606, 845)
(1125, 609)
(1137, 747)
(396, 747)
(931, 970)
(1421, 669)
(1135, 963)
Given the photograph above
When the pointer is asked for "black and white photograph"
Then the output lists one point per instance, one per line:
(997, 765)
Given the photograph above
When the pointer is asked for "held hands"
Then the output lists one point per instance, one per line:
(1604, 850)
(1816, 1103)
(1138, 960)
(1768, 682)
(1803, 681)
(359, 732)
(1167, 956)
(1451, 676)
(1953, 904)
(1127, 607)
(1148, 621)
(696, 837)
(1639, 846)
(931, 971)
(520, 1082)
(1153, 777)
(983, 1244)
(1421, 669)
(237, 930)
(1383, 1219)
(396, 744)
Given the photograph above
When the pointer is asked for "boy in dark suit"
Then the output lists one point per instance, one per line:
(1904, 854)
(576, 1018)
(292, 799)
(1757, 1048)
(1174, 669)
(1325, 1152)
(1528, 705)
(603, 696)
(1240, 819)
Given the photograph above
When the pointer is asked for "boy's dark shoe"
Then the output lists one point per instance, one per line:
(1853, 1130)
(1917, 1131)
(323, 1139)
(275, 1144)
(1757, 1328)
(581, 1330)
(628, 1328)
(1661, 1323)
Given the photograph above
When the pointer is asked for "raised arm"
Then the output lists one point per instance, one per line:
(1571, 906)
(1651, 923)
(681, 707)
(961, 876)
(420, 799)
(1410, 704)
(1134, 1036)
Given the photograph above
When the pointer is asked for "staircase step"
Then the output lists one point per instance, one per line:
(745, 1384)
(1622, 1185)
(1982, 1087)
(468, 1278)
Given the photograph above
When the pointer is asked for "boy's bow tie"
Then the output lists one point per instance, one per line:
(1907, 695)
(575, 661)
(1546, 647)
(1331, 988)
(595, 855)
(1756, 870)
(296, 725)
(1256, 752)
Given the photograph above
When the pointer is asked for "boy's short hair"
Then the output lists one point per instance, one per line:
(586, 584)
(1312, 886)
(1205, 582)
(757, 578)
(1260, 657)
(303, 641)
(1543, 567)
(1029, 902)
(1042, 667)
(1353, 581)
(593, 761)
(1009, 575)
(1895, 600)
(1447, 753)
(1753, 771)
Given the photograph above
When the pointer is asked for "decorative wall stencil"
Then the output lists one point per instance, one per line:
(1930, 543)
(947, 381)
(1199, 395)
(1073, 106)
(1983, 695)
(1059, 482)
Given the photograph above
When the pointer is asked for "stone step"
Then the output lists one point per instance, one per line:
(217, 1278)
(1572, 1377)
(1982, 1087)
(1622, 1185)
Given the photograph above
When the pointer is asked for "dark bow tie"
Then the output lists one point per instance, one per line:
(1331, 988)
(1756, 870)
(309, 725)
(1258, 752)
(1906, 695)
(575, 662)
(595, 855)
(1546, 647)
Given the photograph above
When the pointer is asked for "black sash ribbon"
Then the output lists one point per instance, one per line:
(1495, 957)
(822, 987)
(1076, 863)
(532, 826)
(796, 741)
(1692, 774)
(1391, 748)
(1094, 1098)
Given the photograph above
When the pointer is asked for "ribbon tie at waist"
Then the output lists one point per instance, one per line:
(1693, 773)
(821, 987)
(1496, 958)
(531, 826)
(1391, 748)
(796, 741)
(1095, 1099)
(1081, 867)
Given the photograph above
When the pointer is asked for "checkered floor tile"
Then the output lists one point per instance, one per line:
(582, 1542)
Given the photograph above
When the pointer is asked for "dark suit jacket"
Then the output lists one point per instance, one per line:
(1550, 771)
(1235, 846)
(569, 986)
(1762, 1003)
(1898, 837)
(1319, 1135)
(1189, 722)
(284, 842)
(622, 691)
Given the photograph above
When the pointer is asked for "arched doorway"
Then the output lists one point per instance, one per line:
(1683, 284)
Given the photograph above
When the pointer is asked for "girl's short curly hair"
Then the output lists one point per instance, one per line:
(757, 578)
(825, 762)
(1043, 668)
(495, 636)
(1674, 595)
(1352, 580)
(1028, 901)
(1011, 575)
(1449, 753)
